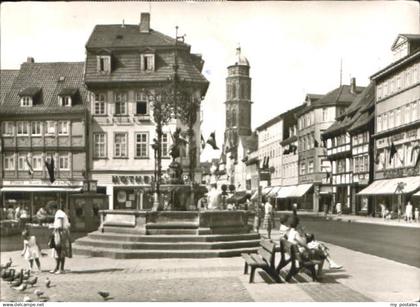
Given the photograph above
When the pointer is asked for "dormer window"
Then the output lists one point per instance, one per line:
(103, 63)
(65, 97)
(28, 95)
(26, 101)
(147, 62)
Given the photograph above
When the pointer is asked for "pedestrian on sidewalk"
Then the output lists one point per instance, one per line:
(294, 209)
(338, 208)
(409, 212)
(416, 215)
(62, 240)
(31, 251)
(268, 216)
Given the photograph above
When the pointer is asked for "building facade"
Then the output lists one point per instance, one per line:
(397, 127)
(314, 119)
(127, 68)
(44, 117)
(348, 152)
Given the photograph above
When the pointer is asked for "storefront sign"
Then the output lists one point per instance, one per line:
(57, 183)
(131, 180)
(394, 173)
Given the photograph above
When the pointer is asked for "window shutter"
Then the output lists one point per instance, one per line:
(98, 63)
(108, 64)
(142, 62)
(60, 101)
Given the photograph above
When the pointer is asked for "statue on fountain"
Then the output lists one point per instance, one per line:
(175, 168)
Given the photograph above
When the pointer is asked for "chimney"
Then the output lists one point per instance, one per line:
(30, 60)
(145, 23)
(353, 86)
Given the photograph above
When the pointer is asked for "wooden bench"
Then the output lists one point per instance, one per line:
(289, 253)
(264, 259)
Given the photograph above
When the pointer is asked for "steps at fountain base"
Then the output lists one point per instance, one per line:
(118, 253)
(129, 246)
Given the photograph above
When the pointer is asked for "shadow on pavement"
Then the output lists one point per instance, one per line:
(94, 271)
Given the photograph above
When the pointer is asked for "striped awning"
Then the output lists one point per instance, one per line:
(294, 191)
(389, 186)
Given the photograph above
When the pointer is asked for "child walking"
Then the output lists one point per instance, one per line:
(31, 251)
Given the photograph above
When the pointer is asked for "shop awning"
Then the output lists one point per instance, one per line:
(40, 189)
(286, 191)
(266, 190)
(273, 192)
(294, 191)
(389, 186)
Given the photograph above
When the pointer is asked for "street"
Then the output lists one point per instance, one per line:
(401, 244)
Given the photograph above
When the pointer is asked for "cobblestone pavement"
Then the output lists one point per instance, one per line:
(364, 278)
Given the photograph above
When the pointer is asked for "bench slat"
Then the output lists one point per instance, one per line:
(259, 260)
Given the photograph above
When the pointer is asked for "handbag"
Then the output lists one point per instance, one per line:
(51, 241)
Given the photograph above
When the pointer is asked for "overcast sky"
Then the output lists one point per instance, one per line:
(293, 48)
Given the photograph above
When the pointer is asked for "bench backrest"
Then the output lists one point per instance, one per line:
(267, 251)
(289, 248)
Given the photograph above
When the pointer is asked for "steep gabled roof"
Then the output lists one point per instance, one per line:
(50, 79)
(352, 113)
(7, 77)
(128, 36)
(341, 95)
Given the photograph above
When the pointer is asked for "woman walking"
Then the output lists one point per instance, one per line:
(268, 216)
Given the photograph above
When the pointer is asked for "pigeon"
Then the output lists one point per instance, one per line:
(44, 299)
(104, 294)
(17, 281)
(27, 299)
(26, 274)
(21, 288)
(8, 263)
(6, 273)
(48, 282)
(32, 281)
(10, 276)
(38, 292)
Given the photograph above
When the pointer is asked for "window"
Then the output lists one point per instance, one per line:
(391, 120)
(398, 82)
(63, 127)
(385, 122)
(365, 137)
(397, 117)
(366, 163)
(99, 104)
(22, 128)
(36, 128)
(408, 78)
(51, 127)
(9, 162)
(324, 114)
(356, 164)
(26, 101)
(147, 62)
(37, 163)
(311, 167)
(99, 141)
(120, 104)
(22, 165)
(141, 104)
(63, 162)
(120, 145)
(379, 123)
(165, 145)
(415, 75)
(64, 101)
(142, 145)
(302, 169)
(103, 63)
(407, 114)
(379, 91)
(341, 166)
(8, 128)
(413, 111)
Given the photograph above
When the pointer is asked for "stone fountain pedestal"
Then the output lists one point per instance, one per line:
(169, 234)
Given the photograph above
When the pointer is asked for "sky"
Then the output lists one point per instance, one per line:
(294, 48)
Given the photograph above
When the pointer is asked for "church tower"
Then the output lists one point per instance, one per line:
(238, 102)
